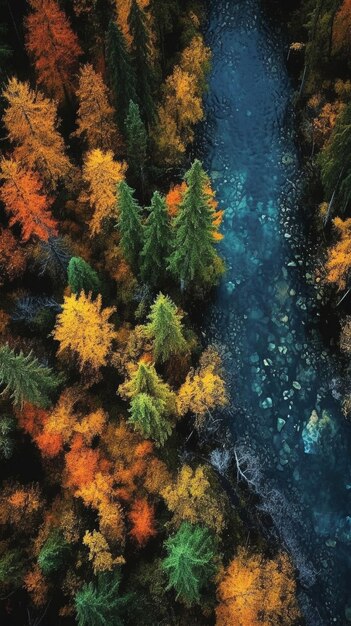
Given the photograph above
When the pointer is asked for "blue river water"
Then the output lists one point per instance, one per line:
(284, 381)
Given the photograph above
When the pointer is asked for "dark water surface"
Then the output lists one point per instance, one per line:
(280, 371)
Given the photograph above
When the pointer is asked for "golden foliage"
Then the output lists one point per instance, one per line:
(99, 551)
(203, 389)
(95, 114)
(339, 256)
(181, 106)
(83, 327)
(258, 592)
(102, 174)
(191, 498)
(31, 123)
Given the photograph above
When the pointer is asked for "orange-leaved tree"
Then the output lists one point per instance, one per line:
(142, 517)
(31, 123)
(83, 326)
(339, 256)
(53, 46)
(102, 174)
(24, 199)
(257, 591)
(95, 114)
(341, 28)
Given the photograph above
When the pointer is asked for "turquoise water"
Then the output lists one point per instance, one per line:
(283, 380)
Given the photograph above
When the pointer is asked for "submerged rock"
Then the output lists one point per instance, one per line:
(280, 424)
(267, 403)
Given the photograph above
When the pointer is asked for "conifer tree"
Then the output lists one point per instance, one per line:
(53, 45)
(157, 242)
(189, 564)
(141, 54)
(95, 114)
(31, 122)
(136, 137)
(145, 380)
(53, 554)
(23, 197)
(100, 604)
(147, 417)
(194, 259)
(129, 224)
(25, 378)
(82, 277)
(120, 72)
(166, 329)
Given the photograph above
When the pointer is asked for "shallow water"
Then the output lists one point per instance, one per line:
(266, 313)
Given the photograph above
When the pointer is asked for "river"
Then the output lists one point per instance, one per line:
(280, 368)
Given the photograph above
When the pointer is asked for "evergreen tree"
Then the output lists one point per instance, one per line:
(157, 242)
(82, 277)
(166, 328)
(100, 604)
(53, 554)
(130, 226)
(141, 56)
(194, 259)
(145, 380)
(189, 564)
(120, 72)
(147, 417)
(136, 137)
(25, 378)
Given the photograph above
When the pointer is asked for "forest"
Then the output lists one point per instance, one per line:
(117, 505)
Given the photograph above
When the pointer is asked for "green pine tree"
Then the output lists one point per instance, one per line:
(130, 226)
(25, 378)
(334, 159)
(136, 138)
(147, 417)
(53, 554)
(120, 72)
(141, 57)
(100, 603)
(157, 244)
(194, 259)
(82, 277)
(166, 329)
(190, 561)
(145, 380)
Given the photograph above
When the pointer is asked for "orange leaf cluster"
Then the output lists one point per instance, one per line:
(257, 592)
(23, 197)
(53, 45)
(142, 517)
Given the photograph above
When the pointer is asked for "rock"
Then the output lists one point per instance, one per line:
(267, 403)
(331, 543)
(271, 347)
(280, 424)
(348, 613)
(254, 358)
(296, 385)
(230, 287)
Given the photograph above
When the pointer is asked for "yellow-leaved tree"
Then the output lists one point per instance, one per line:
(95, 114)
(83, 326)
(181, 106)
(339, 256)
(31, 123)
(204, 389)
(257, 592)
(192, 498)
(102, 174)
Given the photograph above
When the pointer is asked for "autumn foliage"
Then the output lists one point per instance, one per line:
(258, 592)
(24, 199)
(53, 46)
